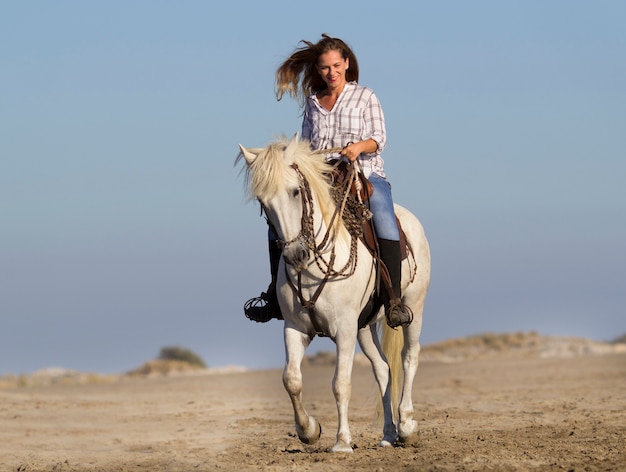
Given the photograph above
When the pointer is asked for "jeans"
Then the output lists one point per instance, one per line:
(381, 205)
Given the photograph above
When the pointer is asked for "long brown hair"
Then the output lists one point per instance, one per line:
(298, 75)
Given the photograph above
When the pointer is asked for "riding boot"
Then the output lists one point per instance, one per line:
(265, 307)
(397, 313)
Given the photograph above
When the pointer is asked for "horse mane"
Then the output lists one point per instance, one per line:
(270, 172)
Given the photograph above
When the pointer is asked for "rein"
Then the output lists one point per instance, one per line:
(306, 231)
(307, 235)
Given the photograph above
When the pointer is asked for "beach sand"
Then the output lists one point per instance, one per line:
(494, 413)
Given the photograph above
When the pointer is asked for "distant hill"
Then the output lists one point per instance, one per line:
(521, 344)
(503, 345)
(479, 346)
(620, 340)
(153, 368)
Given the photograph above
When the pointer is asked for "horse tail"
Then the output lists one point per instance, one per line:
(392, 344)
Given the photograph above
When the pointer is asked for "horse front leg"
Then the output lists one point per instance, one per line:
(307, 427)
(342, 388)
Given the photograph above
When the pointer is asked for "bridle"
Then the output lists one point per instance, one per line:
(307, 235)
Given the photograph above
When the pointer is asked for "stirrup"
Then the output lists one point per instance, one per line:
(258, 309)
(398, 314)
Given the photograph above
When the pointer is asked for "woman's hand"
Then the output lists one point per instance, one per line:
(353, 150)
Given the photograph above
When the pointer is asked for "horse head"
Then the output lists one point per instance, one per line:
(291, 183)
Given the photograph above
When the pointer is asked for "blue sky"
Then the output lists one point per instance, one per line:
(124, 225)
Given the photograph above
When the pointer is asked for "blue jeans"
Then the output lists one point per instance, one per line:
(381, 205)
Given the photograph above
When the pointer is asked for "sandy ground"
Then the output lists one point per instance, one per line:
(486, 414)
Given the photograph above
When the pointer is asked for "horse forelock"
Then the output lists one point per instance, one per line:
(272, 170)
(316, 171)
(267, 175)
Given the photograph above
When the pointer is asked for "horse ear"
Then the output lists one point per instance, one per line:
(247, 155)
(294, 142)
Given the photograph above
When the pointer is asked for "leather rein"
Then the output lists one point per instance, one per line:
(307, 235)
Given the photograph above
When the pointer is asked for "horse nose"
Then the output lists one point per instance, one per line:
(297, 255)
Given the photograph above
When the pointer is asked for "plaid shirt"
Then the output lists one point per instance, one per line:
(356, 116)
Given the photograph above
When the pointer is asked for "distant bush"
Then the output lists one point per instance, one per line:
(620, 340)
(175, 353)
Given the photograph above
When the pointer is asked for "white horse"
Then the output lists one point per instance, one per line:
(325, 280)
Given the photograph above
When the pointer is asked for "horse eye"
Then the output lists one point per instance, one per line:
(296, 192)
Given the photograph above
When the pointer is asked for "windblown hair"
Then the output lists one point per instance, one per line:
(298, 75)
(270, 172)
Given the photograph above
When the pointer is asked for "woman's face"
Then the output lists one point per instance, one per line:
(332, 67)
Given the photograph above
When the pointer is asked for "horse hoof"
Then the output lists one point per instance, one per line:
(408, 439)
(342, 446)
(385, 443)
(407, 430)
(312, 434)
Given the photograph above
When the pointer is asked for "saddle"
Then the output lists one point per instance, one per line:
(341, 172)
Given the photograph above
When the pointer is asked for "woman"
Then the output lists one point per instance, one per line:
(339, 113)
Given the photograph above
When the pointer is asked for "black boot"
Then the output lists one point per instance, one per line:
(396, 312)
(265, 307)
